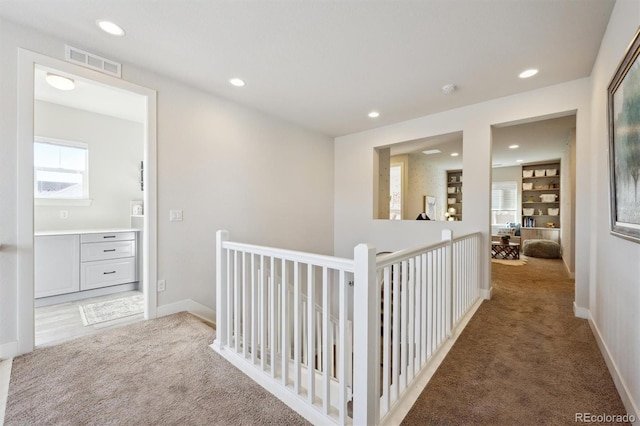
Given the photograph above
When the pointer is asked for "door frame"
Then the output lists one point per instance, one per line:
(27, 60)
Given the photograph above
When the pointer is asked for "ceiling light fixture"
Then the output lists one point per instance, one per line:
(514, 146)
(110, 27)
(431, 151)
(519, 161)
(374, 114)
(60, 82)
(454, 154)
(528, 73)
(237, 82)
(448, 88)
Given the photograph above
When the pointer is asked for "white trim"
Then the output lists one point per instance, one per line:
(27, 60)
(5, 377)
(486, 294)
(411, 395)
(188, 305)
(580, 312)
(627, 399)
(8, 350)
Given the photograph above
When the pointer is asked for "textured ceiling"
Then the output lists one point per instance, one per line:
(325, 64)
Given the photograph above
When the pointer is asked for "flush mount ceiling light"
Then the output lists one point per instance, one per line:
(431, 151)
(514, 146)
(454, 154)
(110, 27)
(60, 82)
(374, 114)
(237, 82)
(528, 73)
(448, 88)
(519, 161)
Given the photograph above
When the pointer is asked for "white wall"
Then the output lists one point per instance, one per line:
(115, 151)
(614, 304)
(226, 166)
(354, 177)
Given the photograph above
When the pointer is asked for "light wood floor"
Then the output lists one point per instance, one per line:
(58, 323)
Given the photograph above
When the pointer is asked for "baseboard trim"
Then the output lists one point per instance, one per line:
(486, 294)
(8, 350)
(191, 306)
(5, 377)
(627, 399)
(581, 312)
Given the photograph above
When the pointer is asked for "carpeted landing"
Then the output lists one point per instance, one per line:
(159, 372)
(523, 359)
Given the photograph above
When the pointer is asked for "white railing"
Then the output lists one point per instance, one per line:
(288, 320)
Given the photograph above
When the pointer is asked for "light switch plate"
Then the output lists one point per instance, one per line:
(175, 215)
(162, 285)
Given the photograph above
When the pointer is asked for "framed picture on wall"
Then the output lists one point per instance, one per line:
(624, 144)
(430, 206)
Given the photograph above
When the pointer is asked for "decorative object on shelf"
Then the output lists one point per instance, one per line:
(527, 173)
(505, 239)
(527, 186)
(539, 173)
(551, 172)
(553, 211)
(451, 200)
(624, 146)
(137, 210)
(539, 212)
(527, 211)
(548, 198)
(551, 225)
(451, 190)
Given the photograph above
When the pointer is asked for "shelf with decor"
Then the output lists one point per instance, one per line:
(541, 198)
(454, 195)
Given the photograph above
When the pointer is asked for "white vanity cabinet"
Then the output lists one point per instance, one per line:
(57, 260)
(78, 261)
(107, 259)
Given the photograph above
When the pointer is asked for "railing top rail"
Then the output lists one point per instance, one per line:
(397, 256)
(467, 236)
(332, 262)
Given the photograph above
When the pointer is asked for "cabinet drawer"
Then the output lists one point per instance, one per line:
(105, 251)
(107, 236)
(104, 273)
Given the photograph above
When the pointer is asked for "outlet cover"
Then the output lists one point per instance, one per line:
(162, 285)
(175, 215)
(64, 214)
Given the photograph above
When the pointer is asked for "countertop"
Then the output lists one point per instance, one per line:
(84, 231)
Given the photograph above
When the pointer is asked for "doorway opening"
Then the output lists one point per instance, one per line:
(86, 225)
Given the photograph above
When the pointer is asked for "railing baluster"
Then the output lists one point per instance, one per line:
(272, 314)
(325, 342)
(237, 301)
(263, 317)
(246, 320)
(386, 334)
(311, 359)
(396, 332)
(342, 352)
(296, 328)
(285, 323)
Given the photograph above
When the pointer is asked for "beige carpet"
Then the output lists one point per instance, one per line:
(523, 359)
(159, 372)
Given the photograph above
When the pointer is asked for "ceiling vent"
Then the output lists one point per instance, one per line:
(95, 62)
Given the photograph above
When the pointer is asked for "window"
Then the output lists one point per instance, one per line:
(395, 190)
(61, 169)
(504, 200)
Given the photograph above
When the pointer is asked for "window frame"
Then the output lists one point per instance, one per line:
(517, 217)
(85, 199)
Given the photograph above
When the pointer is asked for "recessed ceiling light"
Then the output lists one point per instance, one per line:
(374, 114)
(431, 151)
(514, 146)
(110, 27)
(528, 73)
(60, 82)
(519, 161)
(448, 88)
(454, 154)
(237, 82)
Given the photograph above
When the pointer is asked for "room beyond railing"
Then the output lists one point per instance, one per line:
(295, 322)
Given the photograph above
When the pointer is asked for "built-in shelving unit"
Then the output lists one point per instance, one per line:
(541, 200)
(454, 195)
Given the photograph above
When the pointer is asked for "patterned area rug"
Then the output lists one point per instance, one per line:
(94, 313)
(516, 262)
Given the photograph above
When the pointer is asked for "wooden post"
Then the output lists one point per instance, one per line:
(221, 290)
(447, 235)
(366, 337)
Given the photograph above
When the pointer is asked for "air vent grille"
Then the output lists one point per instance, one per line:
(95, 62)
